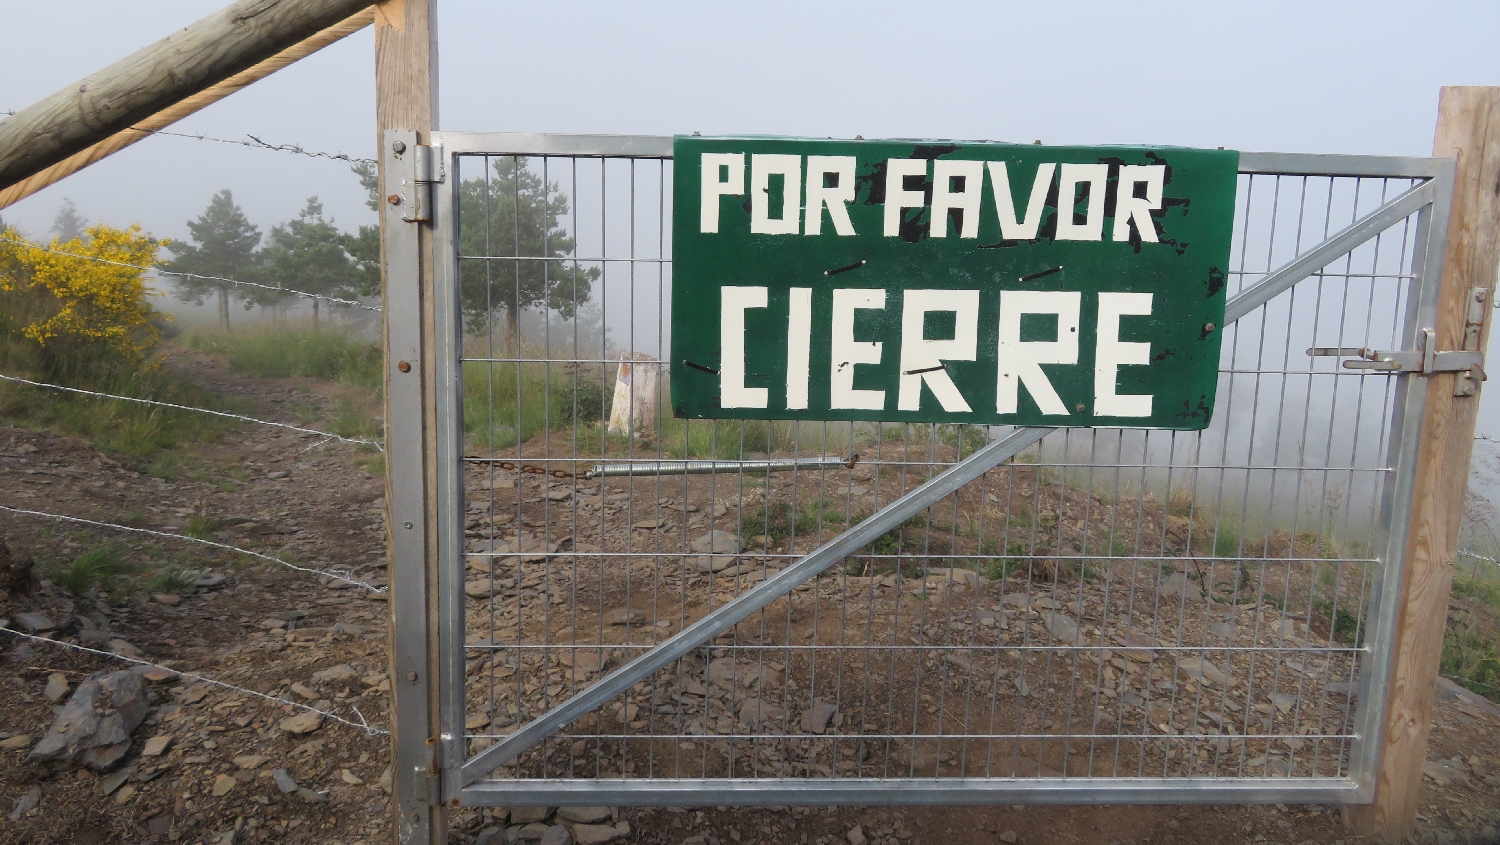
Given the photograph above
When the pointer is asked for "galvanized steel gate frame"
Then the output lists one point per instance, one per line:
(447, 776)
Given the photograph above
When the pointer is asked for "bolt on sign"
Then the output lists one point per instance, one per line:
(946, 282)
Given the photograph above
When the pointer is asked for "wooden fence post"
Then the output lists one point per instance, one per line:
(406, 99)
(1468, 129)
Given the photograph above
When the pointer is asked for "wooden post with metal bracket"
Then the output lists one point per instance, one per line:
(406, 112)
(1469, 129)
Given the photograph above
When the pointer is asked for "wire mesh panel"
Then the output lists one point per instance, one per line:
(1167, 609)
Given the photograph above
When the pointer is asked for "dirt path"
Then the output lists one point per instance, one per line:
(273, 630)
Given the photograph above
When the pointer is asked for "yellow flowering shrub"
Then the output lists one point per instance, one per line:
(72, 305)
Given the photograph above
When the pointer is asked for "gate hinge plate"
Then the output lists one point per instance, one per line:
(426, 171)
(1467, 363)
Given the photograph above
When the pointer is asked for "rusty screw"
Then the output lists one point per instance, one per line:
(404, 366)
(394, 199)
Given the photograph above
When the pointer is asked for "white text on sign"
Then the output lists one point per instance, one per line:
(923, 361)
(956, 186)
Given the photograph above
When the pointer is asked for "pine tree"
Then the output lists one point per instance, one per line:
(514, 213)
(364, 245)
(226, 247)
(68, 225)
(309, 254)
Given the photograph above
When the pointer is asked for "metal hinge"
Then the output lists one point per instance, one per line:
(1467, 363)
(417, 190)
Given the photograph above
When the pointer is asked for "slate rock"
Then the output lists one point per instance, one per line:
(57, 686)
(962, 576)
(557, 835)
(625, 616)
(33, 622)
(583, 815)
(335, 674)
(479, 588)
(1196, 669)
(713, 563)
(222, 785)
(532, 832)
(310, 796)
(1062, 628)
(490, 836)
(856, 836)
(284, 781)
(28, 801)
(302, 723)
(594, 834)
(526, 815)
(817, 717)
(94, 727)
(718, 542)
(1178, 584)
(156, 745)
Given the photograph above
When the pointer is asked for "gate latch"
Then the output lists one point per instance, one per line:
(425, 172)
(1468, 363)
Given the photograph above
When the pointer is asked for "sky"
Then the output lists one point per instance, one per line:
(1335, 77)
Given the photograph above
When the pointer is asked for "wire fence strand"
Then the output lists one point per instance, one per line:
(302, 293)
(363, 724)
(253, 143)
(359, 441)
(335, 574)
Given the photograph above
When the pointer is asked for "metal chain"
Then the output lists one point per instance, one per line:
(528, 469)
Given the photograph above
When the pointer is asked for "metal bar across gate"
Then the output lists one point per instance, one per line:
(965, 614)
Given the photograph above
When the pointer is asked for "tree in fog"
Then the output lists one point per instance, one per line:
(364, 246)
(308, 254)
(68, 225)
(224, 246)
(512, 221)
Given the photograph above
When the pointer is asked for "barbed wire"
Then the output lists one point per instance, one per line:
(162, 270)
(363, 724)
(253, 143)
(327, 436)
(1478, 556)
(344, 575)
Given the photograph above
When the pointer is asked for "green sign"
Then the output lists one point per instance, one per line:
(948, 282)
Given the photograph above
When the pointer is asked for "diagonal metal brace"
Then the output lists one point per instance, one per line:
(730, 614)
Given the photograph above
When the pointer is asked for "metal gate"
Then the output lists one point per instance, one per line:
(959, 615)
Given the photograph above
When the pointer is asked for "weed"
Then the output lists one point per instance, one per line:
(1226, 542)
(374, 465)
(296, 351)
(97, 567)
(202, 527)
(172, 579)
(773, 519)
(1471, 648)
(1344, 626)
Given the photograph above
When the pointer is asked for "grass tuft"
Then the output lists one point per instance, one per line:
(172, 579)
(97, 567)
(295, 351)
